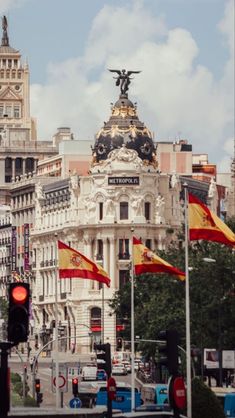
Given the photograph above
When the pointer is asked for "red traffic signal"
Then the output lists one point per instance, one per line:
(75, 386)
(37, 385)
(19, 294)
(18, 312)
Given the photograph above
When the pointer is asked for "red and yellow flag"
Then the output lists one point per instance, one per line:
(204, 224)
(74, 264)
(145, 261)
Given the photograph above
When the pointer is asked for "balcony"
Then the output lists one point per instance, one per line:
(99, 257)
(124, 256)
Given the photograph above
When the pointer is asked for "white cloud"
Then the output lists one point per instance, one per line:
(6, 5)
(173, 93)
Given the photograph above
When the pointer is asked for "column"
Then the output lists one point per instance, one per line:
(23, 166)
(112, 257)
(88, 253)
(13, 167)
(106, 255)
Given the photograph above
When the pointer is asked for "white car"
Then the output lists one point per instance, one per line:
(119, 369)
(138, 365)
(127, 365)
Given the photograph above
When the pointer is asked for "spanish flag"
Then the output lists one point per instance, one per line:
(74, 264)
(145, 261)
(205, 225)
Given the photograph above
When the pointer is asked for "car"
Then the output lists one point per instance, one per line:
(101, 375)
(127, 365)
(138, 364)
(119, 369)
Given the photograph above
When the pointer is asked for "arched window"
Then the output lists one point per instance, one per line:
(95, 323)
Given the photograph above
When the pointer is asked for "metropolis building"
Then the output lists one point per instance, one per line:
(123, 194)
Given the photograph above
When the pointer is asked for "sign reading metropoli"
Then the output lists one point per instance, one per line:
(123, 181)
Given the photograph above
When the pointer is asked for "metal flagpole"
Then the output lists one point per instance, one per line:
(187, 308)
(132, 332)
(56, 330)
(102, 339)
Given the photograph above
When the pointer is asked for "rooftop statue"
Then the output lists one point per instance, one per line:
(5, 40)
(123, 79)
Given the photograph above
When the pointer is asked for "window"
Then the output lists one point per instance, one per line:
(101, 208)
(1, 111)
(147, 207)
(148, 243)
(8, 111)
(123, 210)
(95, 319)
(99, 255)
(123, 278)
(16, 111)
(124, 249)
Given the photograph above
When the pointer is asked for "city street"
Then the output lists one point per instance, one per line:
(44, 373)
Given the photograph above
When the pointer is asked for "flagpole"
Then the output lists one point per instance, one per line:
(56, 330)
(132, 330)
(187, 308)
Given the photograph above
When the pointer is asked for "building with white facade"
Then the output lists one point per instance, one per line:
(97, 214)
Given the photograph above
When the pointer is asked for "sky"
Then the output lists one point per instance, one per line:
(183, 48)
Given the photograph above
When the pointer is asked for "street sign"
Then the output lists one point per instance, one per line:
(62, 378)
(75, 403)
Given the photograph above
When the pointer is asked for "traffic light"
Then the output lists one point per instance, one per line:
(105, 356)
(18, 312)
(168, 351)
(37, 385)
(119, 343)
(75, 386)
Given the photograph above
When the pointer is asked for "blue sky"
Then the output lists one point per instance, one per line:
(184, 48)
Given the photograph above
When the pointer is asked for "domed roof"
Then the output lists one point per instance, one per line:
(124, 128)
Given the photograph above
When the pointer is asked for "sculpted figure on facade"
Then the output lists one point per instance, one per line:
(159, 209)
(124, 154)
(74, 182)
(39, 191)
(109, 207)
(174, 180)
(137, 204)
(212, 188)
(90, 207)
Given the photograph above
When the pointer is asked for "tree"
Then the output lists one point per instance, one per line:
(205, 404)
(160, 299)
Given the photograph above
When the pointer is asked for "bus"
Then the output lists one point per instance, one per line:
(154, 393)
(123, 397)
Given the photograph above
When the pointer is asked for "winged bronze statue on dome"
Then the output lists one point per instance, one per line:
(123, 79)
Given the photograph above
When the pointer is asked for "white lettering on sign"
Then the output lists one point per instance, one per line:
(180, 392)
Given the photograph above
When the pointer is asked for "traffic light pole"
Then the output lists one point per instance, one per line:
(4, 379)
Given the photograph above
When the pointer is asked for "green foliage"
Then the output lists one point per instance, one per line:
(17, 384)
(29, 401)
(205, 404)
(15, 377)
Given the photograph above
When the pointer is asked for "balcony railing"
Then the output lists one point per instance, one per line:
(124, 256)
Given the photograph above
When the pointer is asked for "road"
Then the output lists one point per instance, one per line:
(44, 373)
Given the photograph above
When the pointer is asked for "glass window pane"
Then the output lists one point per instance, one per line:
(123, 210)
